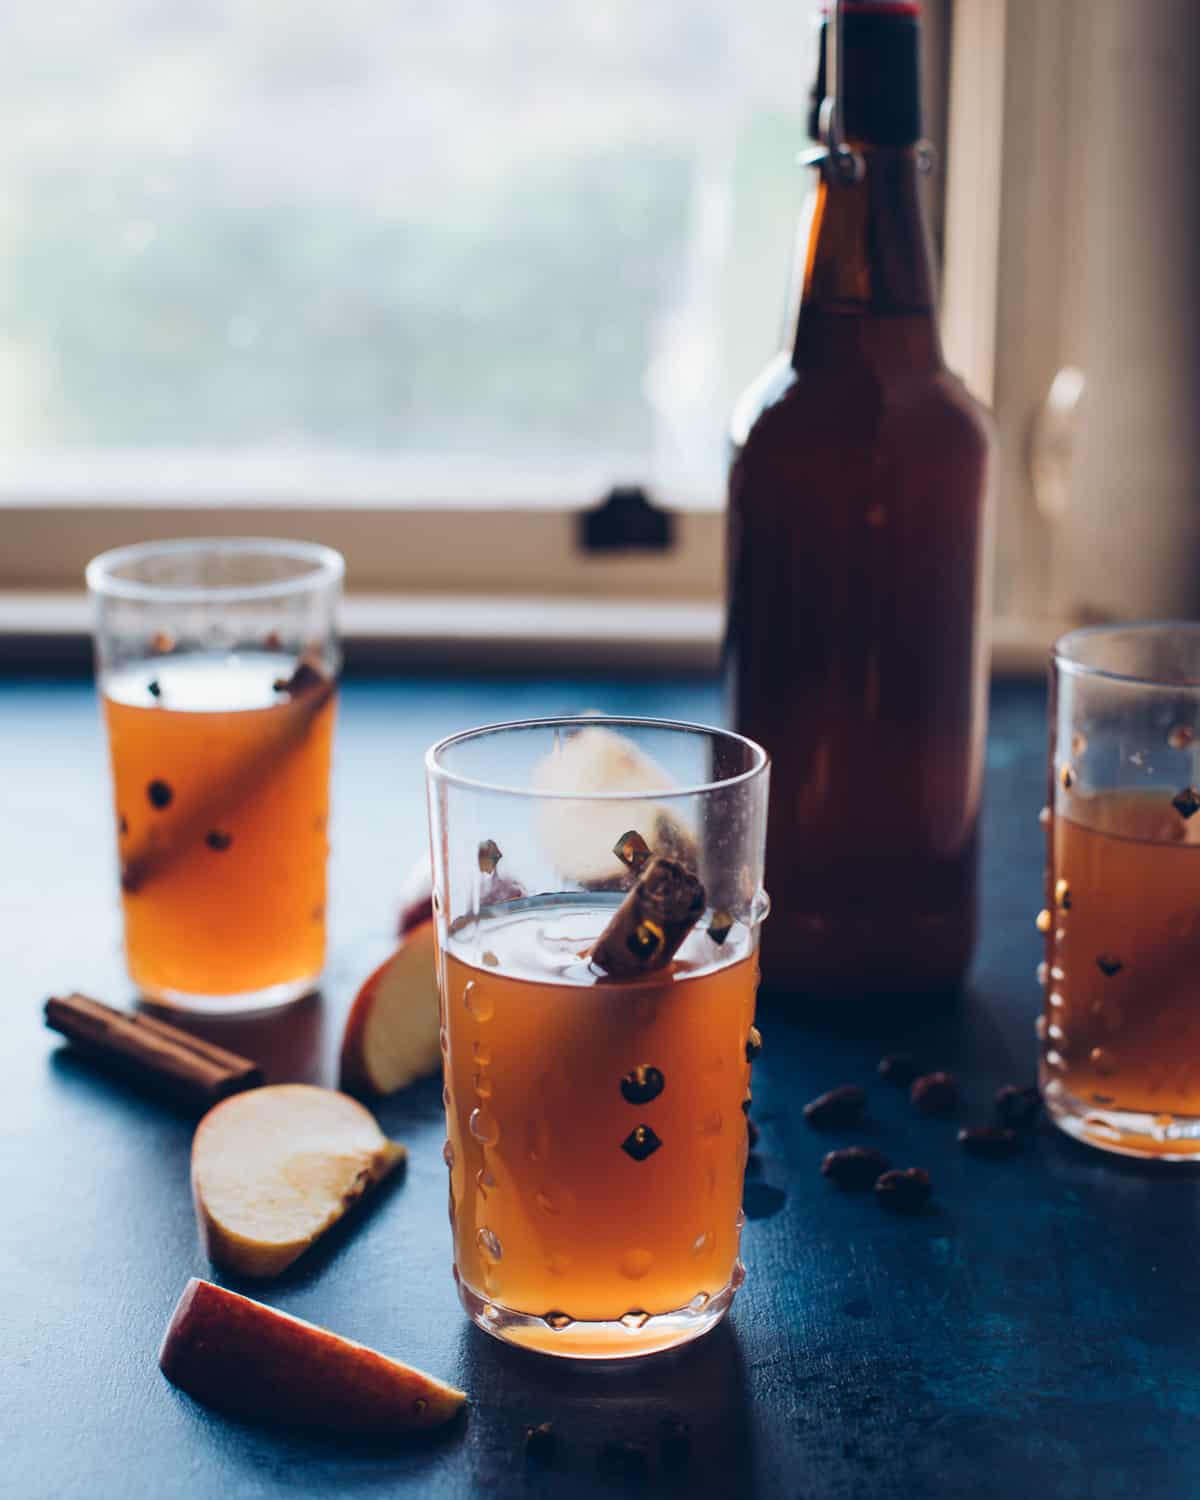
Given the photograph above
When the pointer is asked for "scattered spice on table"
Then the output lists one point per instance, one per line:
(904, 1192)
(935, 1095)
(854, 1168)
(839, 1107)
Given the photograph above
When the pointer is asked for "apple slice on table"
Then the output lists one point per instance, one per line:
(252, 1361)
(392, 1031)
(274, 1168)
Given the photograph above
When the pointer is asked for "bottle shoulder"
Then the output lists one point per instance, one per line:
(768, 388)
(786, 405)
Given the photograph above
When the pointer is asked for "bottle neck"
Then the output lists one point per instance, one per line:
(868, 279)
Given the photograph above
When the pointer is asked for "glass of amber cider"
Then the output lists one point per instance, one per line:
(598, 897)
(217, 665)
(1120, 1027)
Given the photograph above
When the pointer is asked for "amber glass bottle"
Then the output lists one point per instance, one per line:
(855, 648)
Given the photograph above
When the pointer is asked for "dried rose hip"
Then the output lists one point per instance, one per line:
(990, 1141)
(1017, 1107)
(904, 1192)
(935, 1094)
(854, 1168)
(840, 1106)
(540, 1443)
(160, 794)
(900, 1069)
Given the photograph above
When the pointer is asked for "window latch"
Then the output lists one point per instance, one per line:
(626, 520)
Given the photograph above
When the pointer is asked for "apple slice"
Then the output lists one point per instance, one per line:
(252, 1361)
(416, 895)
(274, 1168)
(392, 1031)
(579, 836)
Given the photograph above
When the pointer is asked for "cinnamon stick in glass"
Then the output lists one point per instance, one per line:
(651, 923)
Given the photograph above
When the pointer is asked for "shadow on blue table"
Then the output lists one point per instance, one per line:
(675, 1420)
(671, 1423)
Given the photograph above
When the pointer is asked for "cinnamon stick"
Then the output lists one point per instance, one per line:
(192, 1071)
(213, 805)
(648, 927)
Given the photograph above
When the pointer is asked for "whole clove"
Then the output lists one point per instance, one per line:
(854, 1168)
(904, 1192)
(540, 1443)
(839, 1107)
(935, 1095)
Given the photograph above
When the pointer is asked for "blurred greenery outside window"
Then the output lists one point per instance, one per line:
(436, 249)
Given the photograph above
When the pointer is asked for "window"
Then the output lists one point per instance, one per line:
(380, 270)
(449, 238)
(424, 281)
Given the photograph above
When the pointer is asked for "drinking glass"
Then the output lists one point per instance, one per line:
(217, 666)
(1120, 1028)
(596, 1088)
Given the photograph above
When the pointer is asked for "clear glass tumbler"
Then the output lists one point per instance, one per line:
(598, 896)
(1120, 1028)
(217, 665)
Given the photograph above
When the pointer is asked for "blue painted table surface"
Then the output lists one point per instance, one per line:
(1036, 1335)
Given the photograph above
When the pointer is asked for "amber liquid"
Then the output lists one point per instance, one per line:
(1121, 1026)
(225, 882)
(553, 1215)
(855, 650)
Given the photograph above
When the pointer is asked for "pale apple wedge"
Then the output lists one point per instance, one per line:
(274, 1168)
(392, 1031)
(580, 835)
(251, 1361)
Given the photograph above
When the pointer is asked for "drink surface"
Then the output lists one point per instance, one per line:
(597, 1137)
(1121, 1026)
(221, 793)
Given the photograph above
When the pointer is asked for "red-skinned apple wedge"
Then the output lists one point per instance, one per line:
(251, 1361)
(274, 1168)
(416, 897)
(392, 1031)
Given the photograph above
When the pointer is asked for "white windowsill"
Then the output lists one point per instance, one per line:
(444, 629)
(424, 630)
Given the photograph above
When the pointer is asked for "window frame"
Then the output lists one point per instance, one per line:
(466, 574)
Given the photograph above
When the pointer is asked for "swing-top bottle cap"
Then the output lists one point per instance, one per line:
(880, 72)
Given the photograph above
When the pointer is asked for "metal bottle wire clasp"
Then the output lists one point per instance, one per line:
(841, 162)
